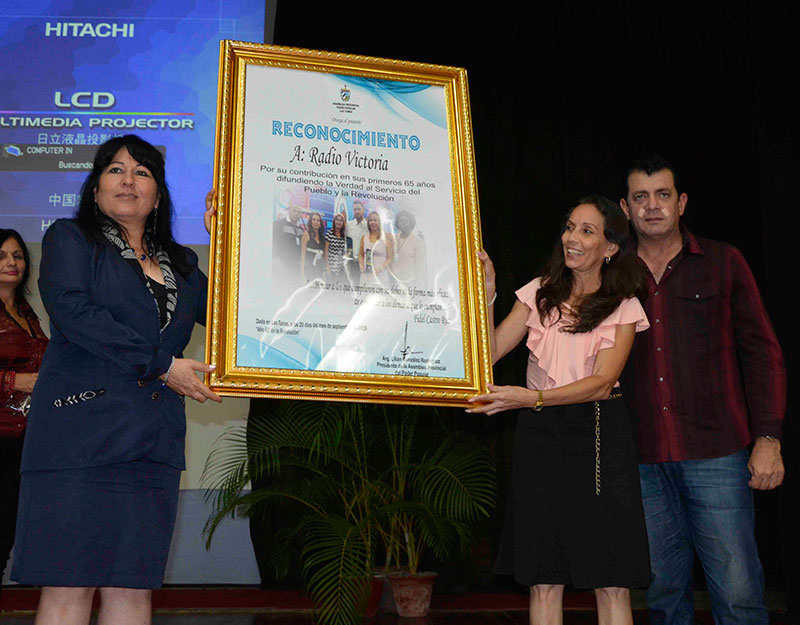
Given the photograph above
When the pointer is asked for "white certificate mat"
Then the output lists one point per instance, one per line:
(345, 140)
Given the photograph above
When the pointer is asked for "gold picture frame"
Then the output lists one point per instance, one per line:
(396, 315)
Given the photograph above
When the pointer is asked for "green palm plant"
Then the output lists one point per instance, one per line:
(360, 478)
(437, 490)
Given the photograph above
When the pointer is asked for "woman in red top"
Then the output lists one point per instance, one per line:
(22, 345)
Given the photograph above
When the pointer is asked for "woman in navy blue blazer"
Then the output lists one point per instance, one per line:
(104, 448)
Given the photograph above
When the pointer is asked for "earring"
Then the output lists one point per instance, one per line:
(608, 259)
(152, 220)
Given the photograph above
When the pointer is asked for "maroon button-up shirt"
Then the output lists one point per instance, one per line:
(708, 376)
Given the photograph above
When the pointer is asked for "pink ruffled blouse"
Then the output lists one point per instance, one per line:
(556, 357)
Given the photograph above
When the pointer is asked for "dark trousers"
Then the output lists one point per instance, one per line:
(10, 455)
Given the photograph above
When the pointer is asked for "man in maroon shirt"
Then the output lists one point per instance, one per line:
(708, 380)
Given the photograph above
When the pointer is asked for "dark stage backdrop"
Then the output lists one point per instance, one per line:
(565, 94)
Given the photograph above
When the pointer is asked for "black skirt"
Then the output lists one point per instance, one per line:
(574, 512)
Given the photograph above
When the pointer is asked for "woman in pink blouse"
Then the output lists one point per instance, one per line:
(575, 510)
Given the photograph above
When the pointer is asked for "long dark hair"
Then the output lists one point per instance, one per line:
(621, 278)
(380, 224)
(320, 231)
(22, 287)
(343, 231)
(158, 227)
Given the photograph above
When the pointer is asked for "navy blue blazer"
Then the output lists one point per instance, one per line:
(98, 399)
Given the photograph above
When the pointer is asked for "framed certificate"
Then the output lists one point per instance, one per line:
(344, 253)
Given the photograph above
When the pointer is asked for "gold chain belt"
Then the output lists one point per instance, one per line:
(614, 395)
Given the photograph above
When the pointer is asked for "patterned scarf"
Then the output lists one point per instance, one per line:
(113, 235)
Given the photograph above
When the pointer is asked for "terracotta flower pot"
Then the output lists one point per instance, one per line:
(412, 593)
(374, 601)
(387, 597)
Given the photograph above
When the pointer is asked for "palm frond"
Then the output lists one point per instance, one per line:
(338, 565)
(461, 482)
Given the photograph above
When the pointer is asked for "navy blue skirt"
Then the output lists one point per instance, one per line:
(96, 527)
